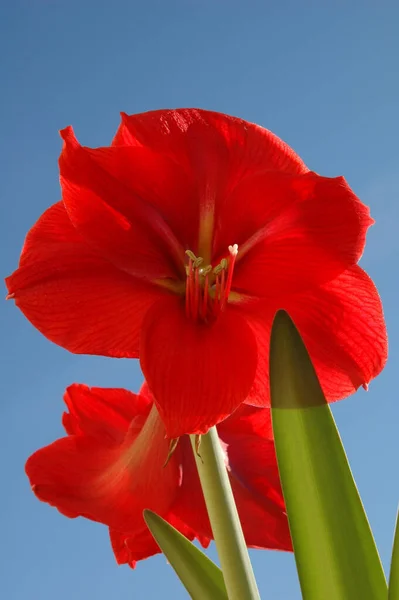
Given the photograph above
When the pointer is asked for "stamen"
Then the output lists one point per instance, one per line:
(172, 447)
(222, 284)
(189, 281)
(205, 297)
(222, 265)
(207, 287)
(216, 301)
(197, 444)
(205, 270)
(191, 255)
(196, 294)
(198, 261)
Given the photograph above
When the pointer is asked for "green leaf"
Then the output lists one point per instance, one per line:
(200, 576)
(394, 575)
(335, 553)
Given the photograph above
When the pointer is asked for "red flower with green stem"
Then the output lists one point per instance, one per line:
(111, 466)
(178, 243)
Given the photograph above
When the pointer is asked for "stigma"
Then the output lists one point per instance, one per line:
(208, 287)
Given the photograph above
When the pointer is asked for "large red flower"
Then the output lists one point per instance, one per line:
(110, 467)
(179, 242)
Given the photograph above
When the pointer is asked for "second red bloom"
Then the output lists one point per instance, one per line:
(110, 467)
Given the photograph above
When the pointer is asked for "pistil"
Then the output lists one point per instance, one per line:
(233, 250)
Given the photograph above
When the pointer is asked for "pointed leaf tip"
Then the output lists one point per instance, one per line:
(293, 380)
(394, 573)
(200, 576)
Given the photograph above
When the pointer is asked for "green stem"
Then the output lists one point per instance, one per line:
(226, 527)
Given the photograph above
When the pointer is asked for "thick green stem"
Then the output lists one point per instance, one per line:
(226, 527)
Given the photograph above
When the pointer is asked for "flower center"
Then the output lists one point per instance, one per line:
(208, 287)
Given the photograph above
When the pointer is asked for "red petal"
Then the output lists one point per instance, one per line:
(107, 481)
(343, 327)
(252, 208)
(102, 413)
(249, 421)
(319, 233)
(198, 373)
(216, 150)
(344, 330)
(261, 325)
(129, 549)
(260, 505)
(115, 202)
(190, 504)
(74, 297)
(167, 131)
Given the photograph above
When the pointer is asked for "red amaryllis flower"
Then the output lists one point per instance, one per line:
(179, 242)
(110, 467)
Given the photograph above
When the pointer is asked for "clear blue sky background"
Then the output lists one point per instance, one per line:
(323, 76)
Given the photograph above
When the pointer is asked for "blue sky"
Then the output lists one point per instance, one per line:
(323, 76)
